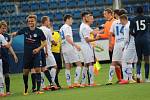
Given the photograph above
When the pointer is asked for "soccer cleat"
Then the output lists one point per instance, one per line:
(46, 88)
(109, 83)
(147, 81)
(25, 93)
(132, 81)
(76, 85)
(123, 82)
(33, 90)
(70, 87)
(92, 85)
(138, 80)
(8, 93)
(39, 92)
(2, 95)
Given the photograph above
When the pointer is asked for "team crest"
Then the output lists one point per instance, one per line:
(34, 35)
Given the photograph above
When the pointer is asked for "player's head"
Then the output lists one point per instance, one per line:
(139, 10)
(116, 13)
(108, 13)
(31, 21)
(89, 19)
(3, 27)
(123, 19)
(84, 14)
(122, 11)
(68, 19)
(45, 21)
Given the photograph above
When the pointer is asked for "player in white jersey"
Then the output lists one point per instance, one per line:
(129, 54)
(117, 30)
(86, 47)
(69, 51)
(3, 42)
(50, 60)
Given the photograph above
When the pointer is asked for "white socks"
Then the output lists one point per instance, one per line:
(91, 73)
(111, 72)
(53, 74)
(77, 74)
(68, 77)
(84, 74)
(42, 80)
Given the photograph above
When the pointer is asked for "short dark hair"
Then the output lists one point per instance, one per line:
(116, 11)
(43, 19)
(139, 10)
(124, 17)
(83, 14)
(109, 10)
(122, 11)
(67, 16)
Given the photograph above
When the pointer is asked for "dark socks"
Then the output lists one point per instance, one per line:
(38, 78)
(146, 70)
(7, 82)
(25, 79)
(33, 78)
(48, 76)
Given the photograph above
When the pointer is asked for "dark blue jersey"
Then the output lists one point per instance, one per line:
(32, 38)
(139, 25)
(4, 50)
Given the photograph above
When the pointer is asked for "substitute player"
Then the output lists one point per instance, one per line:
(69, 51)
(139, 28)
(129, 53)
(32, 49)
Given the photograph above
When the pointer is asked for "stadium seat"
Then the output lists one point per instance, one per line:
(76, 14)
(71, 4)
(75, 25)
(58, 16)
(81, 3)
(44, 5)
(146, 8)
(90, 2)
(96, 12)
(25, 7)
(109, 2)
(62, 4)
(56, 26)
(99, 2)
(34, 6)
(53, 5)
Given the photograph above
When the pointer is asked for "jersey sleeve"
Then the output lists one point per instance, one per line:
(3, 41)
(67, 31)
(86, 32)
(132, 28)
(21, 31)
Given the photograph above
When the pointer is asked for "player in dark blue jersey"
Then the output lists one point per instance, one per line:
(139, 29)
(32, 48)
(5, 56)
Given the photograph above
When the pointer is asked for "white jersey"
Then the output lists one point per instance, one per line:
(129, 53)
(86, 48)
(2, 40)
(128, 39)
(48, 34)
(66, 30)
(84, 32)
(117, 29)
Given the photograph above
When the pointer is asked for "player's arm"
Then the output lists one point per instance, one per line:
(13, 54)
(69, 40)
(43, 44)
(132, 28)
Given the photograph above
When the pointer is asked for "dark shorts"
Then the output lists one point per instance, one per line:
(58, 59)
(142, 44)
(5, 67)
(32, 60)
(43, 58)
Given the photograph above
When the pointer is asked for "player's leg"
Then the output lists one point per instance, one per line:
(146, 59)
(33, 78)
(67, 74)
(1, 80)
(26, 71)
(111, 73)
(77, 73)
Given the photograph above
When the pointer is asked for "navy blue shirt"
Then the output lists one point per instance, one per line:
(32, 38)
(4, 50)
(139, 25)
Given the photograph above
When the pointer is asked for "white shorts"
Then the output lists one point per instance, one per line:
(50, 60)
(129, 54)
(71, 56)
(87, 52)
(117, 52)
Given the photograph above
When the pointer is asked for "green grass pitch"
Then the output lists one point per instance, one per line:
(113, 92)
